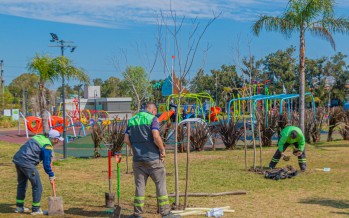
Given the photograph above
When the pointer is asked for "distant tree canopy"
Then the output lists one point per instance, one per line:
(280, 68)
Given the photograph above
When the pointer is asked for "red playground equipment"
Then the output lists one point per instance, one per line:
(214, 112)
(34, 124)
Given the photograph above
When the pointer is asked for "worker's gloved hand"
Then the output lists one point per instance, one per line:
(52, 178)
(286, 158)
(296, 152)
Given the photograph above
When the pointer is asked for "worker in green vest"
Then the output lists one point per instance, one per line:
(143, 136)
(38, 148)
(291, 135)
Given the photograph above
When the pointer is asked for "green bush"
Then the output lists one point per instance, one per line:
(7, 122)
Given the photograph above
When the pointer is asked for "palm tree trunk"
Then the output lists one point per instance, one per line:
(302, 80)
(24, 102)
(43, 112)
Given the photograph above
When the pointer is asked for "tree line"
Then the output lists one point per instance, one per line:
(325, 77)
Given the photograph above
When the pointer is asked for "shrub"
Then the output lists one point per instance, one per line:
(317, 126)
(230, 132)
(7, 122)
(165, 128)
(115, 135)
(97, 134)
(267, 131)
(336, 117)
(344, 126)
(199, 136)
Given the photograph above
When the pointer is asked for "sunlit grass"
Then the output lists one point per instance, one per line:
(83, 182)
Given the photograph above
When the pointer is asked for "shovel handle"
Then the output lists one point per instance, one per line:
(53, 188)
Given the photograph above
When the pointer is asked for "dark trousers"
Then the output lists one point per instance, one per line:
(302, 161)
(23, 175)
(156, 171)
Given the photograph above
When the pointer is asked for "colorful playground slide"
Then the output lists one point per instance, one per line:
(166, 115)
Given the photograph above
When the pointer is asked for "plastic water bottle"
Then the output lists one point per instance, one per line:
(215, 212)
(326, 169)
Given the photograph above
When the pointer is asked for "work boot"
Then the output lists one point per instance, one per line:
(21, 209)
(303, 167)
(39, 212)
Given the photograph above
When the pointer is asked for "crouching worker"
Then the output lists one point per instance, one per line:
(291, 135)
(38, 148)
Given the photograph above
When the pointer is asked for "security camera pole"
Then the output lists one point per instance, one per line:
(63, 45)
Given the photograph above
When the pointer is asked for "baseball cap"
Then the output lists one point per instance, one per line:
(54, 134)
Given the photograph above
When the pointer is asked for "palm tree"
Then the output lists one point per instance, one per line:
(49, 69)
(226, 94)
(314, 16)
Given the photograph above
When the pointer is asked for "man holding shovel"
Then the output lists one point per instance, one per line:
(143, 136)
(38, 148)
(291, 135)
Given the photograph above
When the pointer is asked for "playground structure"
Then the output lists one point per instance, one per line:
(34, 124)
(80, 113)
(198, 110)
(266, 102)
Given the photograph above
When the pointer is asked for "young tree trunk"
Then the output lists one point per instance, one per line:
(176, 151)
(187, 168)
(260, 143)
(245, 144)
(253, 138)
(302, 80)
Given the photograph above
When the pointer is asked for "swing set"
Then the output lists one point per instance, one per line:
(266, 102)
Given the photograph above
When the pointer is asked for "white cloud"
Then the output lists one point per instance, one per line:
(117, 13)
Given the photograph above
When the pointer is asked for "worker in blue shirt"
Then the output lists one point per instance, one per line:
(38, 148)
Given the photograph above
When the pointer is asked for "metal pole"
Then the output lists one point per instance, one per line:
(2, 83)
(79, 102)
(216, 91)
(63, 102)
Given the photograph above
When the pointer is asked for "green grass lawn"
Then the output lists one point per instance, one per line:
(83, 182)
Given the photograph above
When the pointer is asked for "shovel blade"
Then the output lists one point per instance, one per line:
(117, 212)
(55, 206)
(109, 199)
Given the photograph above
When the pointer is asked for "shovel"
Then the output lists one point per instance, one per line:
(109, 197)
(55, 204)
(117, 210)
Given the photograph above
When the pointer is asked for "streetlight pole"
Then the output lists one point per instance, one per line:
(63, 45)
(216, 90)
(2, 83)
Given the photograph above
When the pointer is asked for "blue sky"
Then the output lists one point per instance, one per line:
(109, 30)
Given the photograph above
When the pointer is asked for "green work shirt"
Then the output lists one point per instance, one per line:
(285, 138)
